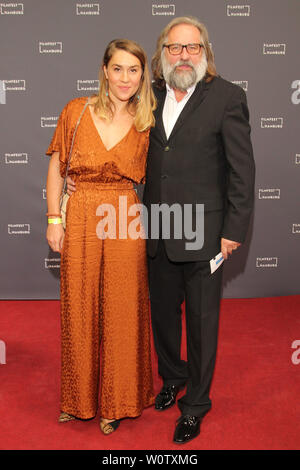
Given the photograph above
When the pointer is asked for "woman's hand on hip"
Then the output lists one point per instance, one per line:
(71, 187)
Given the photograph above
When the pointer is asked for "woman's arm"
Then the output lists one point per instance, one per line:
(55, 232)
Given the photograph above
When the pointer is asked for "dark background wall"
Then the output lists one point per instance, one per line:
(50, 52)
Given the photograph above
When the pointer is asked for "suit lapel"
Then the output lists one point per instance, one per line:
(159, 125)
(195, 100)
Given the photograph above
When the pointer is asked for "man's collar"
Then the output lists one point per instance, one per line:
(171, 93)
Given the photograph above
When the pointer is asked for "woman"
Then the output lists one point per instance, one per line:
(104, 293)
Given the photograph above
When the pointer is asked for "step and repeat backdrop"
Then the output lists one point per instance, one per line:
(50, 52)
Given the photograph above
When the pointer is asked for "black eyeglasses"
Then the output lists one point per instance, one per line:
(176, 49)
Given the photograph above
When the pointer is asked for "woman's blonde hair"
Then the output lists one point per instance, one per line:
(142, 104)
(156, 59)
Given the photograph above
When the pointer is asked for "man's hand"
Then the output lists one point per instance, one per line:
(227, 246)
(70, 185)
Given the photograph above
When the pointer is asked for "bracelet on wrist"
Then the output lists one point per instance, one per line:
(49, 214)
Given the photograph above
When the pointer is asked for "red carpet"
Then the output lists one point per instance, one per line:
(255, 391)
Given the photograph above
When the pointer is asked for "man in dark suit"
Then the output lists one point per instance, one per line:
(200, 153)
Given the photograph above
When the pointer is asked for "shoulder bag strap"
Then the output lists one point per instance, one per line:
(70, 153)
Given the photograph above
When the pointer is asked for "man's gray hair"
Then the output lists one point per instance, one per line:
(156, 59)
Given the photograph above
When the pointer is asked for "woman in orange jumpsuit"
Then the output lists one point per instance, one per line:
(104, 285)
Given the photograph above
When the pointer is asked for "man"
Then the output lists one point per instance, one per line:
(200, 152)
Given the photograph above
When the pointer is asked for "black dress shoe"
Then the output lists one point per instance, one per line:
(188, 428)
(166, 397)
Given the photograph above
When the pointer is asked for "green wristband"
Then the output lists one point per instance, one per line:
(57, 220)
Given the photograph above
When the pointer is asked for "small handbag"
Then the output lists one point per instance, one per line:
(64, 195)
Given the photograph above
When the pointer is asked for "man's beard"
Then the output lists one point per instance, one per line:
(183, 79)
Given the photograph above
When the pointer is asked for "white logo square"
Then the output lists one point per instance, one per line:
(271, 123)
(238, 10)
(52, 263)
(166, 9)
(18, 229)
(267, 262)
(269, 194)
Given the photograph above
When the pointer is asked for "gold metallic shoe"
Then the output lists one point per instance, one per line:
(64, 417)
(109, 427)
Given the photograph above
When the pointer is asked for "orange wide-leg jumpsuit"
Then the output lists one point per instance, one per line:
(105, 326)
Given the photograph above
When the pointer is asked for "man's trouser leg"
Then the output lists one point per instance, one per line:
(202, 305)
(166, 284)
(171, 282)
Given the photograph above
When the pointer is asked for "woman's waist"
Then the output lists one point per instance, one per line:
(95, 193)
(101, 186)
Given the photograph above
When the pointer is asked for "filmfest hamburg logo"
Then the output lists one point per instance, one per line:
(87, 85)
(297, 159)
(271, 123)
(49, 121)
(238, 10)
(52, 263)
(267, 262)
(87, 9)
(11, 8)
(12, 158)
(54, 47)
(18, 229)
(166, 9)
(269, 194)
(14, 85)
(296, 228)
(274, 49)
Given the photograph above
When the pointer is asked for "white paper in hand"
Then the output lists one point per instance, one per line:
(216, 262)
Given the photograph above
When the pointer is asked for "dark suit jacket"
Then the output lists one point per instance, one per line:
(208, 159)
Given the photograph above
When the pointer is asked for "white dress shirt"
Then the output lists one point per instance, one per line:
(173, 108)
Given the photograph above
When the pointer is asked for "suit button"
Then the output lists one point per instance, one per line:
(167, 148)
